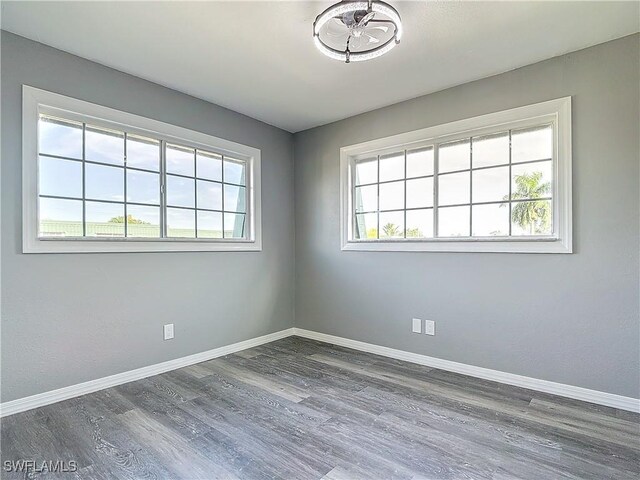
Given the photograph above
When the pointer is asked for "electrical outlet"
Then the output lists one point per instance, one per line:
(429, 327)
(417, 325)
(168, 331)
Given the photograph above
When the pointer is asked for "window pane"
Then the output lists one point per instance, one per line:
(60, 218)
(491, 150)
(102, 145)
(532, 144)
(420, 193)
(531, 180)
(234, 171)
(104, 183)
(180, 191)
(209, 224)
(491, 184)
(453, 188)
(453, 222)
(420, 162)
(143, 187)
(234, 225)
(420, 223)
(392, 196)
(181, 223)
(60, 137)
(367, 198)
(60, 177)
(143, 153)
(392, 167)
(392, 225)
(143, 221)
(209, 166)
(366, 226)
(105, 219)
(234, 198)
(209, 195)
(531, 218)
(180, 160)
(367, 171)
(490, 220)
(454, 156)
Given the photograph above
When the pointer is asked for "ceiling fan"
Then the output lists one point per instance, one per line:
(352, 31)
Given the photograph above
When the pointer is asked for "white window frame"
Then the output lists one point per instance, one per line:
(556, 112)
(36, 101)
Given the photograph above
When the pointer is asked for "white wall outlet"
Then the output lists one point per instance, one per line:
(429, 327)
(168, 331)
(417, 325)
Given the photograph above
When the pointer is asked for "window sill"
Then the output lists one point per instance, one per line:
(116, 245)
(470, 245)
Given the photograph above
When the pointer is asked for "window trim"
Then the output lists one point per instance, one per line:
(557, 112)
(36, 101)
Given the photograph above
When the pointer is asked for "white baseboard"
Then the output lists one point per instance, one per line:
(570, 391)
(53, 396)
(561, 389)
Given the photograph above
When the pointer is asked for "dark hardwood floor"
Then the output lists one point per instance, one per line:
(300, 409)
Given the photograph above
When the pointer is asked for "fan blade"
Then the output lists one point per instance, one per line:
(335, 28)
(372, 39)
(381, 27)
(363, 21)
(356, 44)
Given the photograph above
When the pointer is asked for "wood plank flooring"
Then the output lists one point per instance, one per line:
(300, 409)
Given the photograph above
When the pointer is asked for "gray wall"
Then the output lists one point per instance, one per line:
(76, 317)
(566, 318)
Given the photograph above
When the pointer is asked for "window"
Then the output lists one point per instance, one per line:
(96, 180)
(496, 183)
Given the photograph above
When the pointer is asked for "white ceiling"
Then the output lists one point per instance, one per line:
(258, 58)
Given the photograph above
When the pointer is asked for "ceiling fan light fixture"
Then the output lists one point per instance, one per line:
(360, 18)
